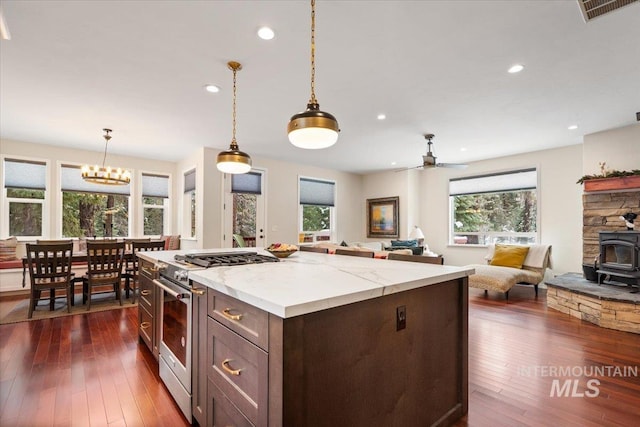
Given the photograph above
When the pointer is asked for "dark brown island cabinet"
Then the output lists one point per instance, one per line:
(393, 360)
(149, 310)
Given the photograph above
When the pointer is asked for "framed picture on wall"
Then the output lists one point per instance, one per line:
(382, 217)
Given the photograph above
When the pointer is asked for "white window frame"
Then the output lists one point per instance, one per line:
(166, 206)
(6, 200)
(318, 235)
(494, 236)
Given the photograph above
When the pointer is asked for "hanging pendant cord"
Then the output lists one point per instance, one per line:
(313, 99)
(107, 137)
(234, 144)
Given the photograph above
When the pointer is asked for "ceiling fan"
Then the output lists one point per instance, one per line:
(429, 160)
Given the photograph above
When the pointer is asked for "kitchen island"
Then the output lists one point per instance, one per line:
(325, 340)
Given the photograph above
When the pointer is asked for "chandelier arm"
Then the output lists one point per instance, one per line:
(313, 99)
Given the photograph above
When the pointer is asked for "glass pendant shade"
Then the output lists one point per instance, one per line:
(313, 129)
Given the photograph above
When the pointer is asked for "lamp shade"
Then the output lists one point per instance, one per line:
(313, 129)
(416, 233)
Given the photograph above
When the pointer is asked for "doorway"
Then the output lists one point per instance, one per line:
(244, 211)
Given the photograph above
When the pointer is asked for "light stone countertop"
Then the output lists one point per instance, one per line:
(307, 282)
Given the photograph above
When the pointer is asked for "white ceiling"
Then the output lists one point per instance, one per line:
(139, 67)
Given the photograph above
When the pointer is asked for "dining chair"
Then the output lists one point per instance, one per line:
(131, 272)
(49, 269)
(314, 249)
(104, 268)
(416, 258)
(362, 254)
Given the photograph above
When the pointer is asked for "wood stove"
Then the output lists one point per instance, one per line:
(620, 256)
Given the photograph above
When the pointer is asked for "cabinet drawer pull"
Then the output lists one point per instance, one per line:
(145, 325)
(225, 366)
(227, 313)
(145, 292)
(198, 292)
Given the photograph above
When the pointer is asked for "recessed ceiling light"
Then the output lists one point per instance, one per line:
(516, 68)
(212, 88)
(394, 163)
(266, 33)
(381, 116)
(463, 149)
(573, 127)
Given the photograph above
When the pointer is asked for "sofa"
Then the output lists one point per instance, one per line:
(502, 271)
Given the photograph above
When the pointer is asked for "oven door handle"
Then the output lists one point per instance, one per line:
(176, 295)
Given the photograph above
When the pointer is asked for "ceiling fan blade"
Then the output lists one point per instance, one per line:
(451, 165)
(409, 168)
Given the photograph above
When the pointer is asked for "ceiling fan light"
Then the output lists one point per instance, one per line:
(233, 162)
(313, 129)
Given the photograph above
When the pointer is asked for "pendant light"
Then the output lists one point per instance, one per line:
(233, 160)
(313, 128)
(105, 174)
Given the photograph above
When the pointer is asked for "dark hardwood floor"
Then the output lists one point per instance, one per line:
(89, 370)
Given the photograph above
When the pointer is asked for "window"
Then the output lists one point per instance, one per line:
(317, 205)
(495, 208)
(189, 203)
(155, 202)
(25, 196)
(90, 209)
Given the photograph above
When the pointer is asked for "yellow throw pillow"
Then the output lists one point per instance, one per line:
(509, 256)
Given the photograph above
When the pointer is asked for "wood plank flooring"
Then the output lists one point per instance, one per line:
(89, 370)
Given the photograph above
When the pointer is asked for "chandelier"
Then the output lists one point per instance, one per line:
(313, 129)
(105, 174)
(233, 160)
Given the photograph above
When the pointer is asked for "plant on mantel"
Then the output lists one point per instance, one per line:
(605, 175)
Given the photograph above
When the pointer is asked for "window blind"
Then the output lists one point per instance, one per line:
(25, 174)
(250, 183)
(317, 192)
(71, 180)
(525, 179)
(155, 186)
(190, 181)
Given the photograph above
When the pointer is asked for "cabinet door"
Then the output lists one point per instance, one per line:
(221, 412)
(240, 370)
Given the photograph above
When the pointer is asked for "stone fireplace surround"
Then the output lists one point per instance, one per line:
(607, 305)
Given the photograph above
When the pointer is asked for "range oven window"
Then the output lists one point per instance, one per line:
(175, 326)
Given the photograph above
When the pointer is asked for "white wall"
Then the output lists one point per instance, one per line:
(282, 199)
(403, 184)
(560, 205)
(618, 148)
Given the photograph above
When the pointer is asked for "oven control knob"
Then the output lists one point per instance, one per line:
(181, 276)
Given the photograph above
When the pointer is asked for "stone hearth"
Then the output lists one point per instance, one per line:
(612, 306)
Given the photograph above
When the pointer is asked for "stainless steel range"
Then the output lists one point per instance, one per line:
(177, 295)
